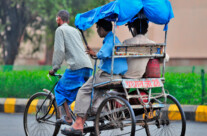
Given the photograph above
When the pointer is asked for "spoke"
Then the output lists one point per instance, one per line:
(116, 116)
(45, 125)
(48, 122)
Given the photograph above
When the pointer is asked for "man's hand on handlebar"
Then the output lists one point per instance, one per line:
(91, 52)
(52, 72)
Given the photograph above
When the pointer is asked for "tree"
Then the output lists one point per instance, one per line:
(14, 20)
(17, 15)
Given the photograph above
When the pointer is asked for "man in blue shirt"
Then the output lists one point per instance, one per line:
(104, 30)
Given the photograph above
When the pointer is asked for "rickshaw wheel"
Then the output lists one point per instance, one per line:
(41, 121)
(115, 117)
(170, 119)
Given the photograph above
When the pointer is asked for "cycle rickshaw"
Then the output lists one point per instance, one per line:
(155, 113)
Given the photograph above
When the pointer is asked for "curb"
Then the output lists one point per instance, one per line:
(193, 112)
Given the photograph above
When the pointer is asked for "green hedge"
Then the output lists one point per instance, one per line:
(22, 84)
(186, 87)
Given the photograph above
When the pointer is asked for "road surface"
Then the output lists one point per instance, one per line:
(12, 125)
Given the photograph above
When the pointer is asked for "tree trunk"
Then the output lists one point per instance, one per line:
(50, 46)
(15, 21)
(49, 55)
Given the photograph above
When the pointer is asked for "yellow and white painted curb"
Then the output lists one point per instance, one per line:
(201, 113)
(192, 112)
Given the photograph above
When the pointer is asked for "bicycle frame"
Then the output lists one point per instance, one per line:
(50, 94)
(50, 106)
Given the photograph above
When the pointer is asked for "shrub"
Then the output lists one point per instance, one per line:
(186, 87)
(22, 84)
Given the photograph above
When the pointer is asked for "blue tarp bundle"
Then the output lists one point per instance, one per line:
(157, 11)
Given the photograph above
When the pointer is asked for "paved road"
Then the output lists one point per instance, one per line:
(12, 125)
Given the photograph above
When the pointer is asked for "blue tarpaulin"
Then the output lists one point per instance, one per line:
(157, 11)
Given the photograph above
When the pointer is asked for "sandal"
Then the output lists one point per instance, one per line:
(63, 121)
(71, 132)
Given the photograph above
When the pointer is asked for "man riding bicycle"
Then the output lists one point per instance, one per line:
(68, 46)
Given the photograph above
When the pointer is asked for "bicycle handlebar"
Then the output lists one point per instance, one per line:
(56, 75)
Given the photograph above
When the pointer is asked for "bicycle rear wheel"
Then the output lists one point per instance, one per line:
(115, 117)
(168, 121)
(40, 116)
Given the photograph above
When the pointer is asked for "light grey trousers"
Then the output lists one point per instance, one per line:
(83, 99)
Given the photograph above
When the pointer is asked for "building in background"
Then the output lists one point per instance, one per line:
(186, 43)
(187, 33)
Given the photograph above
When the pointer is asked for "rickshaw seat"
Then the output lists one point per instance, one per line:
(111, 85)
(152, 69)
(144, 50)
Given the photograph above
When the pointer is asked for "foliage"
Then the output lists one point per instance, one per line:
(186, 87)
(17, 15)
(23, 83)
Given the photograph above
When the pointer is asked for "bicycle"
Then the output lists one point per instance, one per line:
(145, 111)
(45, 114)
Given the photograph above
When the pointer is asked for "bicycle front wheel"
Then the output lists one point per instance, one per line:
(115, 117)
(168, 121)
(40, 116)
